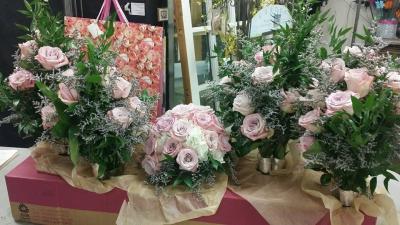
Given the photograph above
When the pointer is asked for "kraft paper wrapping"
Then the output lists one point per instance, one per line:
(381, 206)
(279, 199)
(144, 206)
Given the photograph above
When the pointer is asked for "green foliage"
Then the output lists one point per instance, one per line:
(337, 36)
(292, 42)
(45, 28)
(368, 37)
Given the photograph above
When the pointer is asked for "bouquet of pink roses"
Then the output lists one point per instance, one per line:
(72, 98)
(187, 146)
(353, 124)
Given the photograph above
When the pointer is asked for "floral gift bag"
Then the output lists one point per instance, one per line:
(140, 46)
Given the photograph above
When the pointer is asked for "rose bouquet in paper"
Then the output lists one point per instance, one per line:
(352, 127)
(186, 146)
(72, 98)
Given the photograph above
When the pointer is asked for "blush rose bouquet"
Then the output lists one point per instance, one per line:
(353, 136)
(65, 96)
(188, 146)
(259, 91)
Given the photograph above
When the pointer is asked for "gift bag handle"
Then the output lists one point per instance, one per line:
(105, 11)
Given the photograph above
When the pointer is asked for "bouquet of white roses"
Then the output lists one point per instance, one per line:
(187, 146)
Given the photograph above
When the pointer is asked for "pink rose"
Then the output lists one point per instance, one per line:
(183, 111)
(21, 80)
(150, 165)
(259, 57)
(163, 124)
(225, 80)
(268, 48)
(27, 49)
(121, 88)
(224, 144)
(354, 51)
(51, 58)
(254, 127)
(49, 116)
(359, 81)
(309, 120)
(306, 142)
(187, 160)
(242, 104)
(340, 101)
(338, 70)
(211, 139)
(288, 103)
(120, 116)
(263, 75)
(134, 103)
(325, 66)
(207, 121)
(172, 147)
(181, 129)
(150, 145)
(67, 95)
(148, 42)
(393, 81)
(68, 73)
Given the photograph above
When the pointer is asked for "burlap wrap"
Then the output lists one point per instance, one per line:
(289, 196)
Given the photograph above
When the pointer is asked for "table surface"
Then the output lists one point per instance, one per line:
(5, 211)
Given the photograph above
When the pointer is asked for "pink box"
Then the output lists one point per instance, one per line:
(47, 199)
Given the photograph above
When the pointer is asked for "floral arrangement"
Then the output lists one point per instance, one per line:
(65, 96)
(258, 95)
(187, 146)
(352, 127)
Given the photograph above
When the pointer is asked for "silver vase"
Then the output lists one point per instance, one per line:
(95, 169)
(278, 164)
(346, 197)
(265, 165)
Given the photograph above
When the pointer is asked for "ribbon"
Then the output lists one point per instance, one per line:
(105, 11)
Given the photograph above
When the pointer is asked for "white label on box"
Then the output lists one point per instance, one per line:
(135, 9)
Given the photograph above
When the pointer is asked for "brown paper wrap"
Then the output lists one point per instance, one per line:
(278, 198)
(381, 206)
(144, 206)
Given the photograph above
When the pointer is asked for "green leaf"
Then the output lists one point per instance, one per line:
(94, 79)
(61, 128)
(386, 183)
(323, 53)
(395, 168)
(177, 181)
(215, 164)
(188, 181)
(314, 149)
(73, 144)
(325, 179)
(357, 105)
(372, 185)
(46, 91)
(28, 6)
